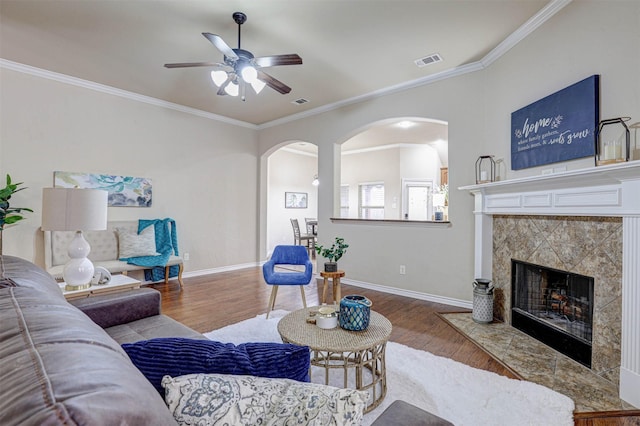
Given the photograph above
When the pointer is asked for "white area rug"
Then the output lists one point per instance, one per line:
(454, 391)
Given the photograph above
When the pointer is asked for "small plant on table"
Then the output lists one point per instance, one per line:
(333, 253)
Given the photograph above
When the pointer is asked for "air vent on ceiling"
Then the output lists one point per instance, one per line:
(428, 60)
(300, 101)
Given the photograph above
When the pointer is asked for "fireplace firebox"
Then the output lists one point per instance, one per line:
(555, 307)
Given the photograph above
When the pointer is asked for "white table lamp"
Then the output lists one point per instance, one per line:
(73, 209)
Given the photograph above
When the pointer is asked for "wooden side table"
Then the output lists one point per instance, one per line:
(118, 283)
(335, 278)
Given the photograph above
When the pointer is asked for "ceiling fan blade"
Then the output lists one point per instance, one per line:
(220, 44)
(193, 64)
(275, 60)
(275, 84)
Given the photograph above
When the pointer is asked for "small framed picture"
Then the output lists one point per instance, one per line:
(295, 200)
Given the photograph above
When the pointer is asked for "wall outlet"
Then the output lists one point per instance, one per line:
(403, 270)
(185, 256)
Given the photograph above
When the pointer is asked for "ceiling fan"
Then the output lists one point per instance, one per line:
(241, 67)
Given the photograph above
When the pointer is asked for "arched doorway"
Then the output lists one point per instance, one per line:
(290, 190)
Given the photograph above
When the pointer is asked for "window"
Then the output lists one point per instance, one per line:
(372, 201)
(344, 200)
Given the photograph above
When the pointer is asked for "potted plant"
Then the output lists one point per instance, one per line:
(9, 215)
(333, 253)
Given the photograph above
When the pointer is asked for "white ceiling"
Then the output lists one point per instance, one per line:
(350, 48)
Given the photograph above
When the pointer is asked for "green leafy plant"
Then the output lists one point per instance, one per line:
(335, 252)
(10, 215)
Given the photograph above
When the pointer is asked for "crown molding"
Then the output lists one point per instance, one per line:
(513, 39)
(454, 72)
(527, 28)
(103, 88)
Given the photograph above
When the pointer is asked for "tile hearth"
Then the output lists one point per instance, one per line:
(538, 363)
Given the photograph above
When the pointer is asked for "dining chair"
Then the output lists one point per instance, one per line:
(312, 224)
(298, 238)
(287, 255)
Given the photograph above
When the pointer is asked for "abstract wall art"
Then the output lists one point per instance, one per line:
(124, 191)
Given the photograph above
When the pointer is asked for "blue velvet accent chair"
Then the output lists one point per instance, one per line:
(287, 255)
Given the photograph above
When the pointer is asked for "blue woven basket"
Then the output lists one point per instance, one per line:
(354, 312)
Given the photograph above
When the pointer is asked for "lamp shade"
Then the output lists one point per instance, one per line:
(73, 209)
(218, 77)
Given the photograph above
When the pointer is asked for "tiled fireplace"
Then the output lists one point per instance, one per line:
(555, 307)
(588, 246)
(584, 222)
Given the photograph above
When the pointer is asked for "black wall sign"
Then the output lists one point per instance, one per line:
(557, 128)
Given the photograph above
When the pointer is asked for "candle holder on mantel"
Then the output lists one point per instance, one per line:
(485, 169)
(613, 145)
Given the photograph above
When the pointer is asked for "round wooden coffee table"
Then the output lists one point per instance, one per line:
(360, 352)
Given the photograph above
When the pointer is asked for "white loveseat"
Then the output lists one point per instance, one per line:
(104, 250)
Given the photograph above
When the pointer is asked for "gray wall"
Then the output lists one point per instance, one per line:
(204, 172)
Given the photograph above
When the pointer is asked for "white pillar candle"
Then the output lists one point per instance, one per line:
(608, 152)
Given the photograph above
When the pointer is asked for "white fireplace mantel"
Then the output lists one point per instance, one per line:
(598, 191)
(612, 190)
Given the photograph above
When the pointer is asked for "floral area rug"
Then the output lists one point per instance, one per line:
(452, 390)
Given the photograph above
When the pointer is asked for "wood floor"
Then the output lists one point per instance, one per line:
(214, 301)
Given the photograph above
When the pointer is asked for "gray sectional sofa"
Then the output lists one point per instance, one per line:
(62, 363)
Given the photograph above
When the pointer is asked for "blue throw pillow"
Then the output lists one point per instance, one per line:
(174, 357)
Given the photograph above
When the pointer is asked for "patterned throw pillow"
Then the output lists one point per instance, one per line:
(131, 244)
(177, 356)
(217, 399)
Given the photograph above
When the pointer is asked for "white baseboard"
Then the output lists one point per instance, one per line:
(630, 386)
(377, 287)
(410, 293)
(229, 268)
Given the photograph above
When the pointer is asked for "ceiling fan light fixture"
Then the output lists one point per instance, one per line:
(232, 89)
(218, 77)
(243, 66)
(258, 85)
(249, 74)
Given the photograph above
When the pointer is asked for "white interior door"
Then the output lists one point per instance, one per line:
(417, 200)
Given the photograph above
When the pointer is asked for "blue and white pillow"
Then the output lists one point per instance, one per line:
(221, 400)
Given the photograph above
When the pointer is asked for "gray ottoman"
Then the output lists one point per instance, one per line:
(404, 414)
